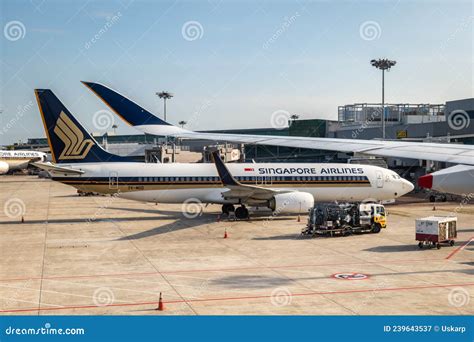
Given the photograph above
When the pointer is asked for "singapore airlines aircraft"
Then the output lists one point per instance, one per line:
(18, 160)
(458, 179)
(282, 187)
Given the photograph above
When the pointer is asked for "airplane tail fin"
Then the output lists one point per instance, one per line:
(68, 140)
(132, 113)
(128, 110)
(223, 172)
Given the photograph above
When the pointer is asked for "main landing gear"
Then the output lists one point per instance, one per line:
(241, 212)
(227, 208)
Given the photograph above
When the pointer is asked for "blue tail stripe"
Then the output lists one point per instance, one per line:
(128, 110)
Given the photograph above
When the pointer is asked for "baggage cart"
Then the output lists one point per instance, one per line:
(436, 230)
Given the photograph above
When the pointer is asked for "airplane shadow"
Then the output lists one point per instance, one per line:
(466, 230)
(268, 218)
(408, 248)
(156, 211)
(177, 225)
(251, 281)
(260, 282)
(86, 220)
(391, 248)
(180, 222)
(282, 237)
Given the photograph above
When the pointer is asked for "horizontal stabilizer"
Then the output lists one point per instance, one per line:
(57, 169)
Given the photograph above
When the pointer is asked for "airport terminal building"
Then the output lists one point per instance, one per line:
(449, 122)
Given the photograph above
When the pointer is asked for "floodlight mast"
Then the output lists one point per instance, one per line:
(383, 64)
(165, 95)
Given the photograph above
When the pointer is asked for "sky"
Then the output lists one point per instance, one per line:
(229, 64)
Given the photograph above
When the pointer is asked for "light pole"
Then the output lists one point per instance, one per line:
(294, 117)
(165, 96)
(383, 64)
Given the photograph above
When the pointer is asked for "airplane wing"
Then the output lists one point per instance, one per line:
(57, 169)
(146, 122)
(238, 190)
(452, 153)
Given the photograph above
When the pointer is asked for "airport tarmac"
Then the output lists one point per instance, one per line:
(105, 255)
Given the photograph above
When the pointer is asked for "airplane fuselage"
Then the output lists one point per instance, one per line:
(175, 183)
(17, 160)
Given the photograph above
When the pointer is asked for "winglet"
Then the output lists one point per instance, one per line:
(224, 173)
(128, 110)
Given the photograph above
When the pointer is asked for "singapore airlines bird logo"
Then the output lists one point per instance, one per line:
(75, 146)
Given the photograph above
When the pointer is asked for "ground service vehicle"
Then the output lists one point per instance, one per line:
(345, 219)
(434, 230)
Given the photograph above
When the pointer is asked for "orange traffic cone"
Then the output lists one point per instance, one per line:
(161, 306)
(225, 234)
(434, 207)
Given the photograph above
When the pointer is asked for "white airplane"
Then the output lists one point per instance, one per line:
(282, 187)
(458, 179)
(18, 160)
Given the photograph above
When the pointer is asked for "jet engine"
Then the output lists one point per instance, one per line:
(3, 167)
(291, 202)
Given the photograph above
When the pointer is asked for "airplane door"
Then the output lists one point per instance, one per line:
(379, 179)
(113, 180)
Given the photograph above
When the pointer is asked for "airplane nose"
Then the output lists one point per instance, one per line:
(407, 186)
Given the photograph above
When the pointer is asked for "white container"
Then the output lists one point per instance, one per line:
(436, 229)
